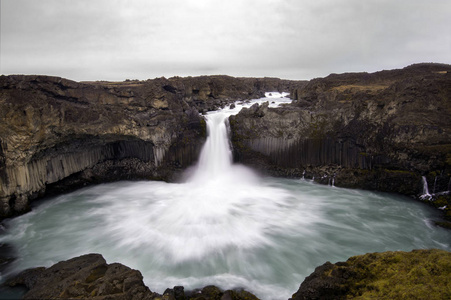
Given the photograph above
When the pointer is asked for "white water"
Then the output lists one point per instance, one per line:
(425, 194)
(224, 226)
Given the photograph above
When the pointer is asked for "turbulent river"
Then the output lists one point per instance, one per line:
(223, 225)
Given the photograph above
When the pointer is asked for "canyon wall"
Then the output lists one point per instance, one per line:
(57, 134)
(381, 131)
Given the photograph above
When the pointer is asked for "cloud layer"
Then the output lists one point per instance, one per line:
(118, 39)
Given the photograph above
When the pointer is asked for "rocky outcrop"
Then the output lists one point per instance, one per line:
(57, 134)
(420, 274)
(90, 277)
(380, 131)
(84, 277)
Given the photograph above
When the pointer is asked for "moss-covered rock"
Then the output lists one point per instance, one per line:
(420, 274)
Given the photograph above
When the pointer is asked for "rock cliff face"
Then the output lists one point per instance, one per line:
(57, 134)
(380, 131)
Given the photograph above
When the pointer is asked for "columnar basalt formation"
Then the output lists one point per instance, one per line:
(57, 134)
(380, 131)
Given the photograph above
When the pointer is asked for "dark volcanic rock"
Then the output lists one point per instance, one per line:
(90, 277)
(379, 131)
(420, 274)
(84, 277)
(57, 134)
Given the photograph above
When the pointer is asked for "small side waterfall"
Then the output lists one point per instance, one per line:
(426, 194)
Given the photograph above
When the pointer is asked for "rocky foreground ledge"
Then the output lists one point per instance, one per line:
(420, 274)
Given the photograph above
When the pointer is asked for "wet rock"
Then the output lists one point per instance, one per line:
(212, 292)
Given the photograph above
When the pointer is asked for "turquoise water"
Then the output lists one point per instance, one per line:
(265, 236)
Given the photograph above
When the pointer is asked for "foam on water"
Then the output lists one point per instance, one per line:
(224, 225)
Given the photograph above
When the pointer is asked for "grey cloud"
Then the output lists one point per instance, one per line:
(114, 39)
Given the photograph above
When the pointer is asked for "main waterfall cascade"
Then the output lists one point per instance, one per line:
(224, 225)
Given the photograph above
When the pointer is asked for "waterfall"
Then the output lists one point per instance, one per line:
(216, 155)
(425, 194)
(216, 159)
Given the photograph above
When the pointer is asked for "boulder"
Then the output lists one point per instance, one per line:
(90, 277)
(86, 277)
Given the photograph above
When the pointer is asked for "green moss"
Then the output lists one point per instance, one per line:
(448, 159)
(441, 201)
(203, 125)
(420, 274)
(96, 273)
(318, 129)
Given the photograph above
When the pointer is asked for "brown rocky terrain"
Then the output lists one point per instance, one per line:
(57, 134)
(381, 131)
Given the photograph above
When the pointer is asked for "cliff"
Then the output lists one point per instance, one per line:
(381, 131)
(57, 134)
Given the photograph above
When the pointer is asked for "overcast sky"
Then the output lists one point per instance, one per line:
(293, 39)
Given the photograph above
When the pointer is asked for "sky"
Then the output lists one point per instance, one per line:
(291, 39)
